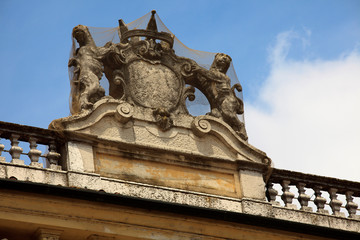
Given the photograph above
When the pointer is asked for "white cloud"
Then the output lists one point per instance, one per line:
(307, 115)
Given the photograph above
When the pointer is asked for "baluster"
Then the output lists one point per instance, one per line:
(271, 194)
(15, 150)
(303, 198)
(53, 157)
(320, 201)
(287, 196)
(335, 203)
(34, 153)
(351, 207)
(2, 146)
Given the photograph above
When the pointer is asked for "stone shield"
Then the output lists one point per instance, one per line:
(154, 85)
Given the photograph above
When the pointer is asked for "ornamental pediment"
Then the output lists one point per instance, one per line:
(149, 88)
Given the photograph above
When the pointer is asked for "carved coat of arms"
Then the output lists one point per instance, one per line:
(144, 70)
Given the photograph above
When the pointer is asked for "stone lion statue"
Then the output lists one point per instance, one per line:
(216, 86)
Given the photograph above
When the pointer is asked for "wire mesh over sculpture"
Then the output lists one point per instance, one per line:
(149, 67)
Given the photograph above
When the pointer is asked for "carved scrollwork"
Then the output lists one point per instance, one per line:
(188, 94)
(118, 80)
(200, 126)
(149, 50)
(186, 69)
(120, 49)
(124, 112)
(115, 57)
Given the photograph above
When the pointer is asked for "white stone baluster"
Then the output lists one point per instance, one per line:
(53, 157)
(335, 203)
(2, 147)
(351, 207)
(271, 194)
(34, 153)
(287, 196)
(15, 150)
(303, 198)
(320, 201)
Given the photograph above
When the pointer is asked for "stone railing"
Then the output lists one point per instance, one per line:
(14, 138)
(313, 193)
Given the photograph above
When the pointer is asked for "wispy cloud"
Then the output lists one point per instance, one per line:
(307, 114)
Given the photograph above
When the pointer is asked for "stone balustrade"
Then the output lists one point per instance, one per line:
(30, 137)
(291, 190)
(313, 193)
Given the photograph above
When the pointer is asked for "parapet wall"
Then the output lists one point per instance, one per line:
(235, 186)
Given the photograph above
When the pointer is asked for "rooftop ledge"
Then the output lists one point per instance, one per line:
(243, 187)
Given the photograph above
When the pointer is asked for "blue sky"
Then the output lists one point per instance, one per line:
(277, 47)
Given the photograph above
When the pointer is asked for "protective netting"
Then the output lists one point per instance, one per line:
(200, 105)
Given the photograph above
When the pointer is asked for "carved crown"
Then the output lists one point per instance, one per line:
(151, 32)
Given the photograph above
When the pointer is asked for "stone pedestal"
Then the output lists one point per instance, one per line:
(216, 162)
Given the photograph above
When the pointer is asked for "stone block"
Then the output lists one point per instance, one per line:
(185, 177)
(2, 171)
(36, 164)
(259, 208)
(55, 167)
(85, 181)
(17, 161)
(252, 185)
(300, 216)
(345, 224)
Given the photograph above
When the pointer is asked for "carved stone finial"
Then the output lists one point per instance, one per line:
(122, 29)
(152, 22)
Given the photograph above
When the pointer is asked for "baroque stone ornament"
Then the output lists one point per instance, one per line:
(215, 85)
(144, 72)
(85, 89)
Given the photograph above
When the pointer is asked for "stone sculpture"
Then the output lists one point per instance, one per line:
(143, 70)
(85, 89)
(215, 85)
